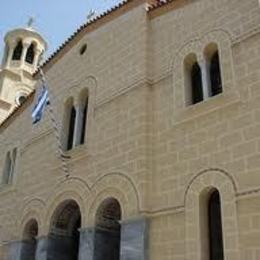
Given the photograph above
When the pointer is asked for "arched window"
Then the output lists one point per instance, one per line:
(211, 225)
(30, 54)
(71, 128)
(107, 230)
(84, 118)
(215, 227)
(17, 54)
(9, 166)
(193, 80)
(196, 83)
(28, 249)
(20, 97)
(215, 75)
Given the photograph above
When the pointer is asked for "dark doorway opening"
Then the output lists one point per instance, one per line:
(29, 244)
(107, 231)
(64, 237)
(215, 227)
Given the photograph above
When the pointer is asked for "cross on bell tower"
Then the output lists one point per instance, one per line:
(31, 21)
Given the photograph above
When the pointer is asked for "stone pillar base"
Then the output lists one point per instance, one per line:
(86, 247)
(41, 251)
(134, 239)
(14, 250)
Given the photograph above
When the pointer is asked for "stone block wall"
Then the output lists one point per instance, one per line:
(144, 146)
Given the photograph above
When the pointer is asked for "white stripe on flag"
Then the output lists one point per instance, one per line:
(40, 106)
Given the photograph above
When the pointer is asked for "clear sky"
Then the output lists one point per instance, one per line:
(56, 20)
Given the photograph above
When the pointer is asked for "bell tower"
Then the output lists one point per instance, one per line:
(23, 50)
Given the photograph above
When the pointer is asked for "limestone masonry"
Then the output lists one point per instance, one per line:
(158, 110)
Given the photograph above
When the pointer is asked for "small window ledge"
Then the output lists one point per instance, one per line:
(205, 107)
(77, 152)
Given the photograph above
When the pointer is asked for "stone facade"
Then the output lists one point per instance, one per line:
(144, 146)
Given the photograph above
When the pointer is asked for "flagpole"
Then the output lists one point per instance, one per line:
(50, 110)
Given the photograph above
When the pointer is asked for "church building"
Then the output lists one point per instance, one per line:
(149, 146)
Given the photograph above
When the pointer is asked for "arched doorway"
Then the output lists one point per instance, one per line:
(64, 234)
(211, 224)
(28, 249)
(107, 230)
(216, 250)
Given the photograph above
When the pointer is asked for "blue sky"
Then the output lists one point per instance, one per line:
(56, 20)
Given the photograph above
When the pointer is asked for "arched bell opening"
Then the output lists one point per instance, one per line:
(29, 58)
(18, 50)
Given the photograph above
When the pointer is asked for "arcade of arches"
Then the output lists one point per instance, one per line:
(109, 238)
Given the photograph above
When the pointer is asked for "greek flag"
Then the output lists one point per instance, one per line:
(42, 102)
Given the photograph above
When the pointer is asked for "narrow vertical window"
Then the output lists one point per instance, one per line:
(14, 155)
(17, 54)
(215, 227)
(84, 122)
(215, 85)
(7, 168)
(215, 75)
(196, 84)
(30, 54)
(71, 128)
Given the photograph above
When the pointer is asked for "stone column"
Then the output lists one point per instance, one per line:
(205, 79)
(25, 48)
(37, 57)
(41, 249)
(86, 247)
(61, 247)
(10, 54)
(78, 124)
(14, 250)
(134, 239)
(28, 249)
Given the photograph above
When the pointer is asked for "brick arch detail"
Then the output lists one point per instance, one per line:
(32, 209)
(89, 83)
(70, 189)
(115, 186)
(224, 183)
